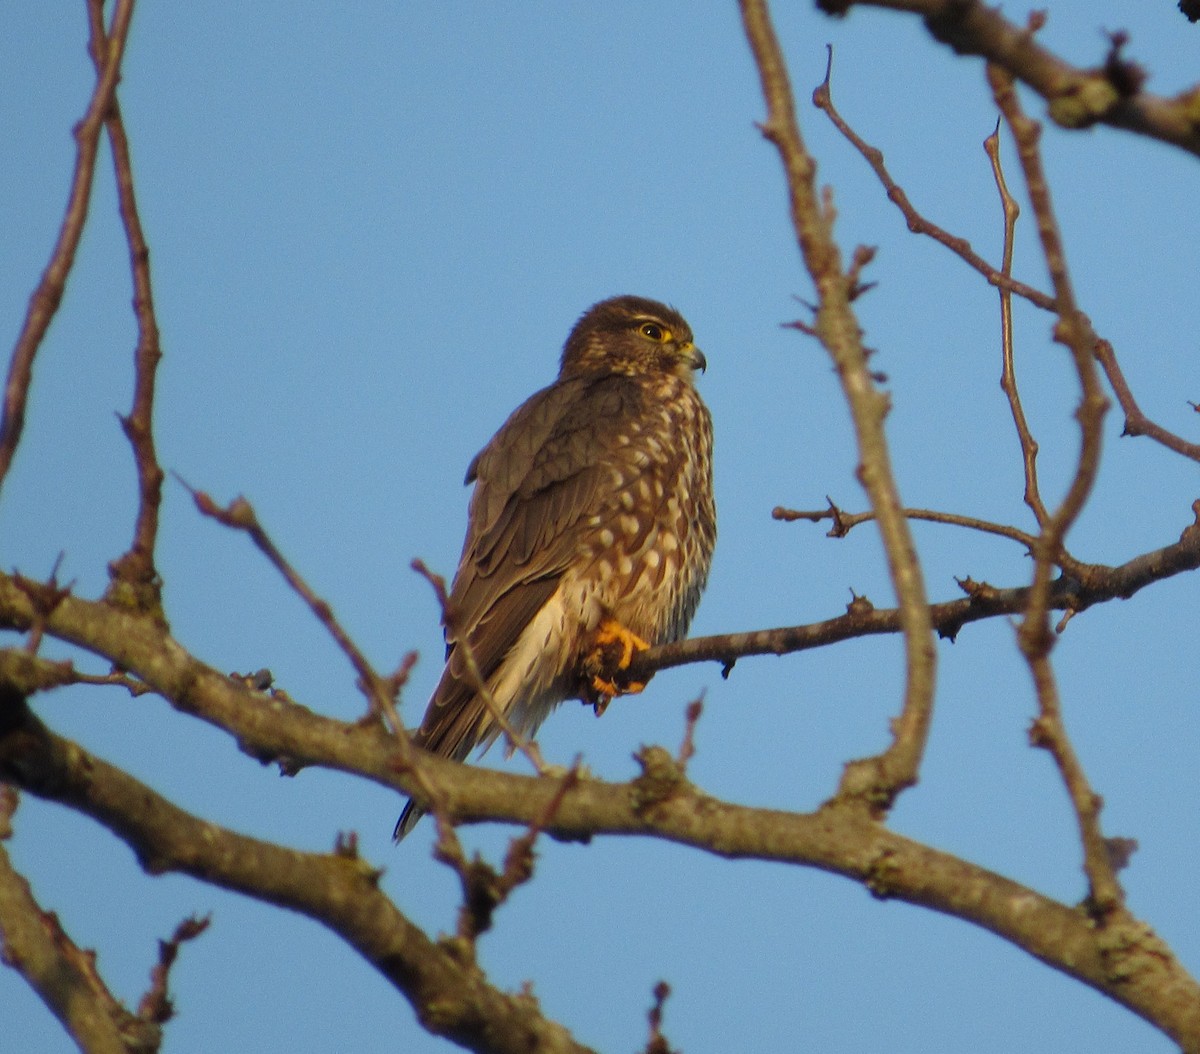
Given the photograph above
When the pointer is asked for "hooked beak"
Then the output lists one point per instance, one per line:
(694, 357)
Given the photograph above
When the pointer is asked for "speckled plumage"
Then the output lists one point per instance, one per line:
(592, 503)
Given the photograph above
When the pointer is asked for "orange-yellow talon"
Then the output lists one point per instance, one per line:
(610, 631)
(612, 648)
(603, 687)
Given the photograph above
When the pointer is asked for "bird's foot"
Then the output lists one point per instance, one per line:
(611, 650)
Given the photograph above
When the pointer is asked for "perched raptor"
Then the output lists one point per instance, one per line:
(589, 535)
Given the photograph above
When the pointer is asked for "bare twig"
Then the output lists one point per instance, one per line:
(484, 889)
(1097, 584)
(155, 1005)
(1072, 330)
(657, 1042)
(874, 781)
(1034, 635)
(917, 223)
(1008, 373)
(135, 580)
(844, 522)
(22, 667)
(380, 691)
(1136, 422)
(48, 295)
(115, 680)
(240, 516)
(46, 596)
(687, 749)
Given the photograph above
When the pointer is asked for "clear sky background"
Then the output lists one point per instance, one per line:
(372, 226)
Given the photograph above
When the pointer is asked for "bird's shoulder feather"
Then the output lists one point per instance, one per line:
(541, 471)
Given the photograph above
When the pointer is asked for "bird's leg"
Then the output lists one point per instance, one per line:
(608, 654)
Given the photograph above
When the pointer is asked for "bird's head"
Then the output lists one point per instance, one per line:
(631, 335)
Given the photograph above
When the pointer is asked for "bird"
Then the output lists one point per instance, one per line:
(590, 532)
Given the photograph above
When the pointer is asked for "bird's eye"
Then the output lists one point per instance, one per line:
(655, 332)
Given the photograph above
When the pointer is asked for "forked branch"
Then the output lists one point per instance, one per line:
(43, 304)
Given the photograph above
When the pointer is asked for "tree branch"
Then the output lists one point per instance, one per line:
(134, 578)
(161, 664)
(1098, 584)
(60, 972)
(873, 781)
(917, 223)
(1077, 98)
(48, 295)
(844, 522)
(1125, 959)
(1074, 332)
(1136, 422)
(447, 990)
(660, 803)
(1008, 368)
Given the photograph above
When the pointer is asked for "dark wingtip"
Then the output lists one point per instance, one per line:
(408, 820)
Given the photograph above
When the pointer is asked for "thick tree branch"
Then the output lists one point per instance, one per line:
(660, 803)
(874, 781)
(1122, 957)
(1077, 98)
(62, 974)
(446, 988)
(270, 728)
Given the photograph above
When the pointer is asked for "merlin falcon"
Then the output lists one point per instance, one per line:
(589, 534)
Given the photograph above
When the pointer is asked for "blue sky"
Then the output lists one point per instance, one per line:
(372, 226)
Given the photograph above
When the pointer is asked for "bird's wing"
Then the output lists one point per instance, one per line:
(548, 470)
(539, 480)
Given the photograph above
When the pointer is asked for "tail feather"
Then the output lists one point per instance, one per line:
(520, 648)
(450, 730)
(408, 820)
